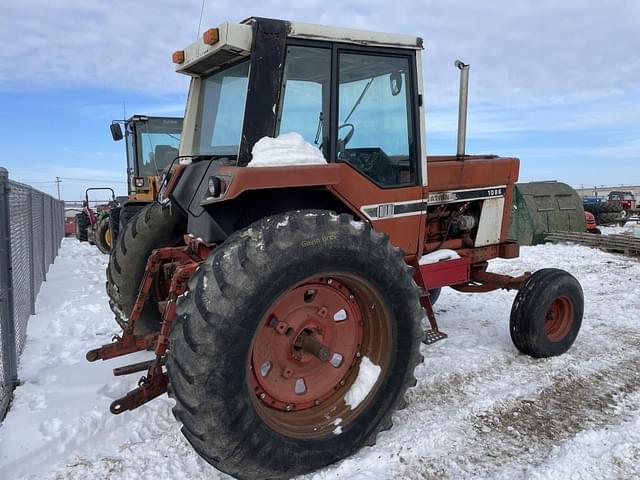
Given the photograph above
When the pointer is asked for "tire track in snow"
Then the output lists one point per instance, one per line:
(444, 410)
(521, 429)
(557, 414)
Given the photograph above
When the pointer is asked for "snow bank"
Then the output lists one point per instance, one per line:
(366, 379)
(286, 149)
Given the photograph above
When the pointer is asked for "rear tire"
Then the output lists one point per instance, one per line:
(114, 224)
(230, 308)
(606, 218)
(547, 313)
(103, 236)
(82, 227)
(153, 227)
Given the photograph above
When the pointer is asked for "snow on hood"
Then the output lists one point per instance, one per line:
(286, 149)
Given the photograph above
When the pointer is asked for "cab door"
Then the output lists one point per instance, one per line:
(376, 134)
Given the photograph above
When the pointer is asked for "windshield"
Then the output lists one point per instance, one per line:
(221, 111)
(159, 141)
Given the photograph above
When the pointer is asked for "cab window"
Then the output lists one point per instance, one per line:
(305, 95)
(375, 122)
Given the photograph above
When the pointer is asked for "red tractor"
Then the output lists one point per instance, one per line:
(93, 225)
(283, 283)
(626, 200)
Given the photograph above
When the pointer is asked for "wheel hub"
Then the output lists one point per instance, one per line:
(559, 319)
(307, 346)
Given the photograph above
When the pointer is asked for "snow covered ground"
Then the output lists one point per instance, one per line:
(480, 409)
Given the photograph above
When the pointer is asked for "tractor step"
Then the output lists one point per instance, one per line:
(135, 367)
(432, 336)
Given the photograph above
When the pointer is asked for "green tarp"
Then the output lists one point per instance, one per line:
(542, 207)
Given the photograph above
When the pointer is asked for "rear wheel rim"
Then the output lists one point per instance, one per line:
(107, 237)
(559, 318)
(295, 391)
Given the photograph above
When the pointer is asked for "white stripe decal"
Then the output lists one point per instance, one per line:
(381, 211)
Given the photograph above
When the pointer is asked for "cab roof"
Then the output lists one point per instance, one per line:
(231, 41)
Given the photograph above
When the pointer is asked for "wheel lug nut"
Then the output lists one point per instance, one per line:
(263, 396)
(330, 281)
(340, 315)
(358, 354)
(288, 408)
(316, 402)
(336, 360)
(342, 383)
(265, 368)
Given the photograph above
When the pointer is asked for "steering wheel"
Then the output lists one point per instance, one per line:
(342, 143)
(346, 139)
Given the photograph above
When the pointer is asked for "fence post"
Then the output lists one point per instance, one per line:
(44, 241)
(8, 340)
(32, 266)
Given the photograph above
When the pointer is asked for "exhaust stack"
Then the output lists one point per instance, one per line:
(462, 107)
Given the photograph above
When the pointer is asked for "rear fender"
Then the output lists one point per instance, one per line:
(250, 194)
(254, 192)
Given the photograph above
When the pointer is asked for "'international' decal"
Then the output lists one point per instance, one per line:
(465, 195)
(417, 207)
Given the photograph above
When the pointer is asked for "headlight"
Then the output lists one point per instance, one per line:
(216, 186)
(138, 181)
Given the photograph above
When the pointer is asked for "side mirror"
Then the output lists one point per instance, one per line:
(116, 131)
(395, 82)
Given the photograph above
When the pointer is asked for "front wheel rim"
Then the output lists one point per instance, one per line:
(559, 318)
(308, 350)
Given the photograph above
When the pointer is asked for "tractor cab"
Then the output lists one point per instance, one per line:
(152, 144)
(354, 96)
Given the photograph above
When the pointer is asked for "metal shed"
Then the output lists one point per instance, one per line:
(542, 207)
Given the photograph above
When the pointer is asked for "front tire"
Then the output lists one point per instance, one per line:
(252, 403)
(547, 313)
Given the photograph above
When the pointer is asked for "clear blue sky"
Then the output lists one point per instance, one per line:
(554, 83)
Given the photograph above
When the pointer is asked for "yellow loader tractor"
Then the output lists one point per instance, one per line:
(152, 145)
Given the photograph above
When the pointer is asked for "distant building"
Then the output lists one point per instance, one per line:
(603, 191)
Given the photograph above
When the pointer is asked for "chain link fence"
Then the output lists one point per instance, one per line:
(31, 229)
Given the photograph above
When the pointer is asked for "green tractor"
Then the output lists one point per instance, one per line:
(92, 224)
